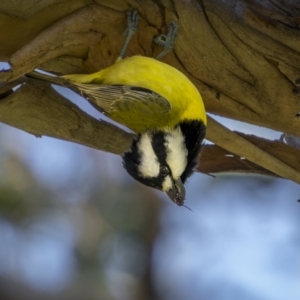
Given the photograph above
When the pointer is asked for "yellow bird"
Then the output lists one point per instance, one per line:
(156, 101)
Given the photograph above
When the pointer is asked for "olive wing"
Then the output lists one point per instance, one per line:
(137, 108)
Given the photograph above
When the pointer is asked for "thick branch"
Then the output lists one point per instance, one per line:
(236, 144)
(215, 159)
(40, 110)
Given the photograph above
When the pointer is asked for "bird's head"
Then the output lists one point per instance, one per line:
(164, 159)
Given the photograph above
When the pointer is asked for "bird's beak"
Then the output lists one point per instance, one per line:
(177, 193)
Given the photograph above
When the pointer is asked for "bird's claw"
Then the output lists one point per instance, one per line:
(132, 21)
(167, 40)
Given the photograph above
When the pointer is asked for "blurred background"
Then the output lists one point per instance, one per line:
(74, 225)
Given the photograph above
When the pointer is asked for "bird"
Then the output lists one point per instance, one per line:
(158, 103)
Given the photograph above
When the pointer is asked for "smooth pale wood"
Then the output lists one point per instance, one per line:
(215, 159)
(236, 144)
(38, 109)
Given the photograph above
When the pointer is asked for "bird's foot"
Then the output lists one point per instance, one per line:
(132, 22)
(168, 40)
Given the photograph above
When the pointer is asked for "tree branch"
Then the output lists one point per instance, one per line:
(242, 55)
(240, 146)
(38, 109)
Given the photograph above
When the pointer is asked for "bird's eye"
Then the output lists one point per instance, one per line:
(164, 171)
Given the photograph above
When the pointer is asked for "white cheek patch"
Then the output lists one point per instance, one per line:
(176, 152)
(167, 184)
(149, 165)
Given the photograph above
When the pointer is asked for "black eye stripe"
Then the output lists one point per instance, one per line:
(158, 145)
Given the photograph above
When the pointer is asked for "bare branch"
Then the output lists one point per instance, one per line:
(215, 159)
(236, 144)
(38, 109)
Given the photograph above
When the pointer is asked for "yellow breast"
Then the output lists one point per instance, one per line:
(159, 77)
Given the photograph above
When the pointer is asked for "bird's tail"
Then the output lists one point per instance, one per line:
(48, 78)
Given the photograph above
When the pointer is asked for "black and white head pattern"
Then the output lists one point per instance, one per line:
(157, 158)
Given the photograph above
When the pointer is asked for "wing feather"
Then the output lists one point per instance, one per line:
(130, 105)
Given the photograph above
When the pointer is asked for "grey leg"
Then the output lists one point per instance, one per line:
(167, 41)
(132, 21)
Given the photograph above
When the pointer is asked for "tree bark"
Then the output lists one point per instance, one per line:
(243, 56)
